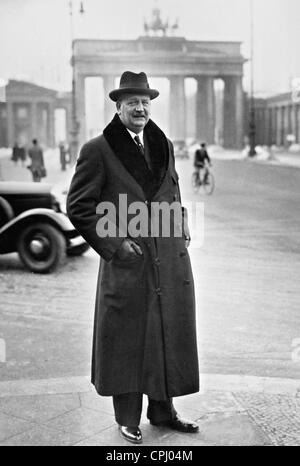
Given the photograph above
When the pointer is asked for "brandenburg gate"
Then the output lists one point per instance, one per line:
(174, 58)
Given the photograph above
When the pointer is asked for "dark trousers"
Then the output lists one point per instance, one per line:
(128, 409)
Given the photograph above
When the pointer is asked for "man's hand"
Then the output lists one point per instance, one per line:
(186, 229)
(128, 250)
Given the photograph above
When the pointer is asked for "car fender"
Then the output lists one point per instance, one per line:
(60, 219)
(8, 210)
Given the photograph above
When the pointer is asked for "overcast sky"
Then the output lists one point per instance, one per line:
(35, 34)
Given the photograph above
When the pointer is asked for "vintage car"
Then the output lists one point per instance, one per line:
(33, 222)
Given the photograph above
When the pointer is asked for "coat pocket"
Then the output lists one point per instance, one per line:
(124, 274)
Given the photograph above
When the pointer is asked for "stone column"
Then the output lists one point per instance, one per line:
(262, 127)
(205, 110)
(229, 113)
(68, 109)
(265, 135)
(278, 126)
(10, 124)
(233, 112)
(258, 126)
(284, 124)
(109, 105)
(51, 129)
(274, 126)
(275, 123)
(269, 126)
(34, 126)
(297, 121)
(292, 119)
(177, 108)
(80, 108)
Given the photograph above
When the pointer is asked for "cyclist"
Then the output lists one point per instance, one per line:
(200, 162)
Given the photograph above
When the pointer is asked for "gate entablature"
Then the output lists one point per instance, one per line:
(163, 55)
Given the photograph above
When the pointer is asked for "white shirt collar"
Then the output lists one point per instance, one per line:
(140, 135)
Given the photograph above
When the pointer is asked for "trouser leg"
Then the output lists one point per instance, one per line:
(160, 411)
(128, 409)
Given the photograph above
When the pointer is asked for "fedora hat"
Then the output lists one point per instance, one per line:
(133, 83)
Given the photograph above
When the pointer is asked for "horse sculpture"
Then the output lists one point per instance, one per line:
(156, 24)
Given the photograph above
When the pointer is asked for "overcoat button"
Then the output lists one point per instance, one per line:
(158, 291)
(182, 253)
(146, 202)
(186, 282)
(157, 261)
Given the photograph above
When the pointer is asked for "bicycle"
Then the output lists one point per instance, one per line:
(207, 181)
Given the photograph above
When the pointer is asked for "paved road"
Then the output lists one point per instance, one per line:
(246, 277)
(247, 273)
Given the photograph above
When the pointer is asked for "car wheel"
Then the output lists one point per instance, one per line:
(77, 250)
(41, 247)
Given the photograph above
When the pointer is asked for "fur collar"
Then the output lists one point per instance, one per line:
(128, 153)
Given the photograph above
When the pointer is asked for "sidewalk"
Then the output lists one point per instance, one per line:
(278, 156)
(11, 172)
(231, 410)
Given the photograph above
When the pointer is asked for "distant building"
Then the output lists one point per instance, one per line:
(277, 120)
(29, 112)
(3, 125)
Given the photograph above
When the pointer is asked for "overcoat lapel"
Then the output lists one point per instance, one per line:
(128, 153)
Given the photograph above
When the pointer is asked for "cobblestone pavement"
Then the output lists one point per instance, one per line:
(67, 411)
(278, 416)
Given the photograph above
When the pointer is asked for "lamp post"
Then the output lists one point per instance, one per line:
(252, 129)
(75, 125)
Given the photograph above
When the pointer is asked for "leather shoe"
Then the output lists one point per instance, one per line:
(131, 434)
(177, 423)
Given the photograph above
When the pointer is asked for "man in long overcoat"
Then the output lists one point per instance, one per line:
(144, 330)
(37, 165)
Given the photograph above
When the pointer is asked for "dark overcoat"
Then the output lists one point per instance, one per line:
(144, 329)
(37, 158)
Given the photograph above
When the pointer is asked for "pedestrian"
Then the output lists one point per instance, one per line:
(144, 330)
(37, 166)
(63, 156)
(22, 155)
(201, 160)
(15, 153)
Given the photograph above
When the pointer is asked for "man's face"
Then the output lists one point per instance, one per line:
(134, 111)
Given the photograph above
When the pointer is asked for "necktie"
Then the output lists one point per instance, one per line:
(139, 144)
